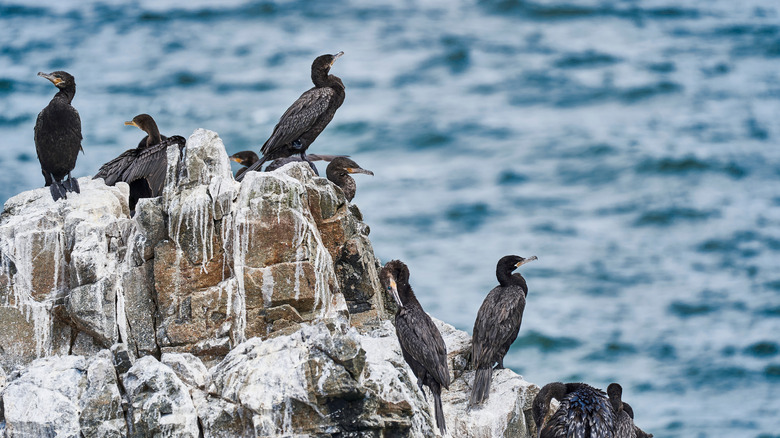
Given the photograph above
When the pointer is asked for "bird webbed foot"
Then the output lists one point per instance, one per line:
(71, 184)
(57, 191)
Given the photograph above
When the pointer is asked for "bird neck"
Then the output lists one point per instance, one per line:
(153, 137)
(321, 79)
(407, 295)
(506, 278)
(556, 390)
(67, 94)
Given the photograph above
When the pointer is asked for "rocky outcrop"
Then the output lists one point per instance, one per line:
(218, 309)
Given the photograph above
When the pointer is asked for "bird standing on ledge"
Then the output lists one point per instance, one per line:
(144, 167)
(498, 322)
(305, 119)
(421, 343)
(58, 136)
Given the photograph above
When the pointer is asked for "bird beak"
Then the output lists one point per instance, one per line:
(394, 291)
(54, 80)
(131, 123)
(524, 261)
(335, 57)
(236, 159)
(359, 170)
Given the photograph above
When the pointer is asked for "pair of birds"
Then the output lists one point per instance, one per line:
(58, 136)
(495, 329)
(58, 142)
(584, 411)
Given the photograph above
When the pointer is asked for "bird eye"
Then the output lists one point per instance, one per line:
(389, 288)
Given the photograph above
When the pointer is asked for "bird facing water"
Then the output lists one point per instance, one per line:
(583, 412)
(307, 117)
(143, 168)
(338, 173)
(421, 343)
(497, 324)
(58, 136)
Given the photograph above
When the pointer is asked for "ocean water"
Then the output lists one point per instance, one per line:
(630, 144)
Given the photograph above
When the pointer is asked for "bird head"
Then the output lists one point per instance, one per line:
(60, 79)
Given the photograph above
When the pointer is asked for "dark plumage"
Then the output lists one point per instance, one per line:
(144, 167)
(338, 172)
(248, 158)
(421, 343)
(624, 415)
(584, 412)
(58, 136)
(305, 119)
(498, 322)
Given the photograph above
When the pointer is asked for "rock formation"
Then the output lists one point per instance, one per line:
(220, 309)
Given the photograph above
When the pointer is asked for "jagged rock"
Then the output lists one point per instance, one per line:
(188, 367)
(272, 283)
(160, 402)
(70, 396)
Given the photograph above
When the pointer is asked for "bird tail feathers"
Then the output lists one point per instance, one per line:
(480, 391)
(439, 412)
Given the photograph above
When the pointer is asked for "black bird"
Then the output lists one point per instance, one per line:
(58, 136)
(421, 343)
(338, 173)
(624, 415)
(305, 119)
(584, 412)
(498, 322)
(144, 167)
(248, 158)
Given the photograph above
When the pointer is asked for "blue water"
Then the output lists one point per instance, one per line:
(630, 145)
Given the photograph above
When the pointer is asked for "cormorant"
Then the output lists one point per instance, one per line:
(624, 415)
(305, 119)
(338, 172)
(144, 167)
(584, 412)
(58, 136)
(421, 343)
(248, 158)
(498, 322)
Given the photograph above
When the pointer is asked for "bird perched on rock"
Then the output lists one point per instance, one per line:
(498, 322)
(624, 415)
(583, 412)
(58, 136)
(248, 158)
(421, 343)
(305, 119)
(338, 173)
(143, 168)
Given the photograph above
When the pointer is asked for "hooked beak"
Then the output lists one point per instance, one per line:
(359, 170)
(131, 123)
(524, 261)
(54, 80)
(394, 291)
(335, 57)
(236, 159)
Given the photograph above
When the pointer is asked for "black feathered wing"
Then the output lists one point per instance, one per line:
(299, 118)
(112, 171)
(497, 324)
(420, 338)
(152, 164)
